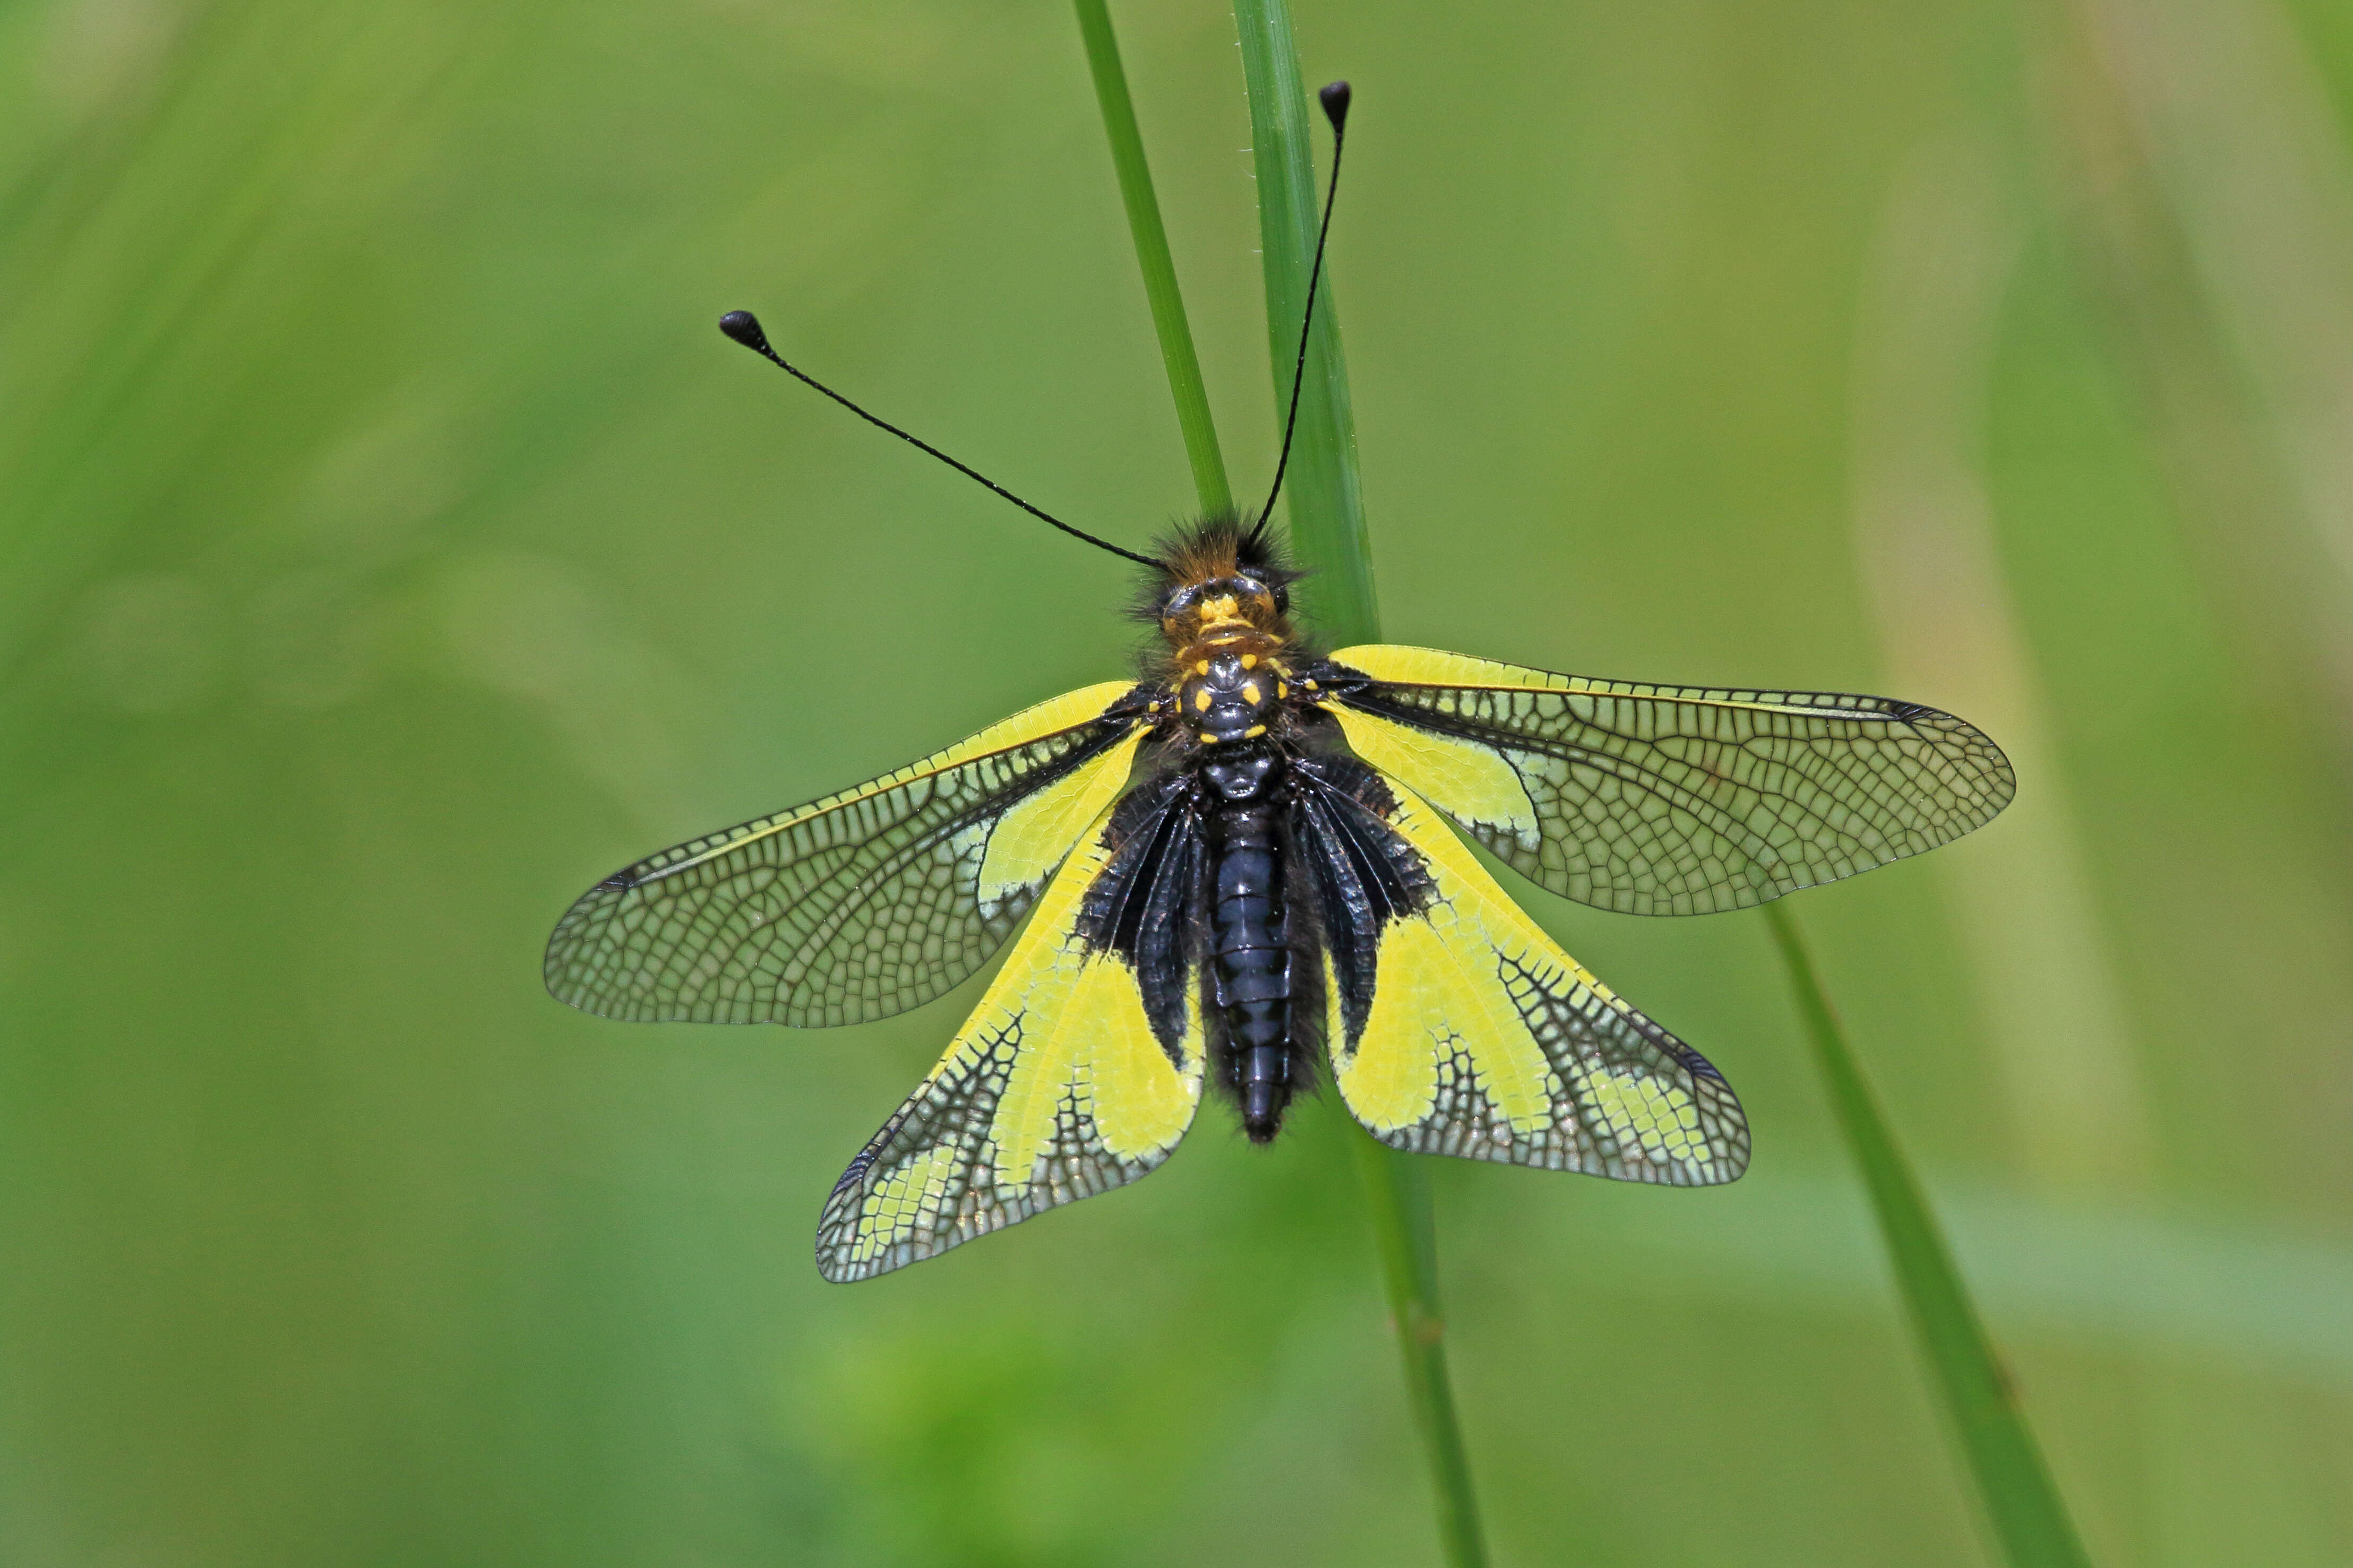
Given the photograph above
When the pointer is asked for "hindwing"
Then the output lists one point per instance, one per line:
(1456, 1026)
(1077, 1072)
(859, 905)
(1666, 799)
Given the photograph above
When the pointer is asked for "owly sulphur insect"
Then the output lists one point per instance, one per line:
(1248, 858)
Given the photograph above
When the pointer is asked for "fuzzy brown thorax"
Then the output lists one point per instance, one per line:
(1222, 608)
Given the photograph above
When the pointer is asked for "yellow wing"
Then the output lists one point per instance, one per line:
(1664, 799)
(1480, 1038)
(860, 905)
(1058, 1087)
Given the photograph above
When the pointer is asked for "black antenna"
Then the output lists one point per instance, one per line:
(744, 328)
(1335, 99)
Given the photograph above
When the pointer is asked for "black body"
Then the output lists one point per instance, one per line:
(1242, 870)
(1251, 957)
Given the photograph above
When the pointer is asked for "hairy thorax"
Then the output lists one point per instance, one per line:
(1223, 615)
(1230, 687)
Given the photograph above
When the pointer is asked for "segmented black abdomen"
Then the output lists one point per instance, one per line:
(1251, 960)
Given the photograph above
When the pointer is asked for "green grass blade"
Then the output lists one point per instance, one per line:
(1397, 1192)
(2028, 1516)
(1151, 255)
(1326, 502)
(1327, 526)
(1329, 538)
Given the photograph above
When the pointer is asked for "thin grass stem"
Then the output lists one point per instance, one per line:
(2030, 1520)
(1396, 1195)
(1328, 536)
(1159, 268)
(1324, 501)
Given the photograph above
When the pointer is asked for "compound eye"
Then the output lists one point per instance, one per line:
(1282, 601)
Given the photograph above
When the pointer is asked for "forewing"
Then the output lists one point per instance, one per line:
(860, 905)
(1077, 1072)
(1659, 800)
(1477, 1037)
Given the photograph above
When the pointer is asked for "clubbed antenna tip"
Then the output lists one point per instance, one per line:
(1335, 99)
(744, 328)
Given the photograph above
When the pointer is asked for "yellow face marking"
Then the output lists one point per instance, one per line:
(1219, 609)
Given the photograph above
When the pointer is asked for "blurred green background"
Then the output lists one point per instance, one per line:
(389, 547)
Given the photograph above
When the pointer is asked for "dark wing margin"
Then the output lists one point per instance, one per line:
(1477, 1037)
(1077, 1072)
(1658, 800)
(1145, 907)
(1361, 880)
(860, 905)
